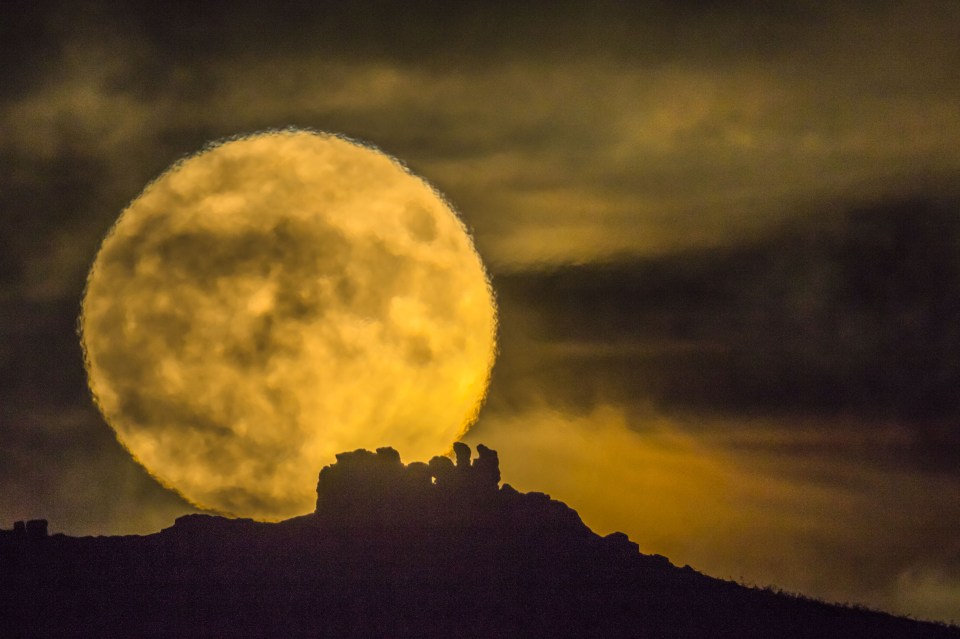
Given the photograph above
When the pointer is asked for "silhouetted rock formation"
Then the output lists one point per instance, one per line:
(462, 452)
(33, 529)
(417, 550)
(364, 488)
(487, 466)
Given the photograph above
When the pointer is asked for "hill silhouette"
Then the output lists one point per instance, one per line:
(394, 550)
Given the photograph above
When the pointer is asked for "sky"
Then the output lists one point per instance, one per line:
(725, 244)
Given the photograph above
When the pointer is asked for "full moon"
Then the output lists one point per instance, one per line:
(277, 299)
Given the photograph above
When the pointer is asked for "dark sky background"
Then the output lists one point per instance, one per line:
(725, 244)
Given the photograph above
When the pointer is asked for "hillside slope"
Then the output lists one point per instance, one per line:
(394, 550)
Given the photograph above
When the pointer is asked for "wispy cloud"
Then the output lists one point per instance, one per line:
(551, 161)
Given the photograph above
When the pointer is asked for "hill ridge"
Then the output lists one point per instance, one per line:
(418, 550)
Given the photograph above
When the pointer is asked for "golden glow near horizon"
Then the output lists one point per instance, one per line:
(275, 300)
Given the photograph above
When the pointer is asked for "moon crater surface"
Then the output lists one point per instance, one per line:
(274, 300)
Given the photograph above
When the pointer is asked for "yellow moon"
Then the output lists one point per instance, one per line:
(277, 299)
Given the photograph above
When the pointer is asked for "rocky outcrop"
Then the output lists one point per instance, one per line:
(31, 529)
(367, 487)
(486, 468)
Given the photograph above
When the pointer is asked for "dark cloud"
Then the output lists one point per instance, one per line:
(31, 45)
(439, 34)
(585, 147)
(863, 313)
(38, 198)
(41, 353)
(64, 464)
(851, 311)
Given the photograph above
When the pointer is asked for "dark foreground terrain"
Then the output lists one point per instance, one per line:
(418, 550)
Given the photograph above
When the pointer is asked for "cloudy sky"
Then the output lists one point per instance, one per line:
(725, 245)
